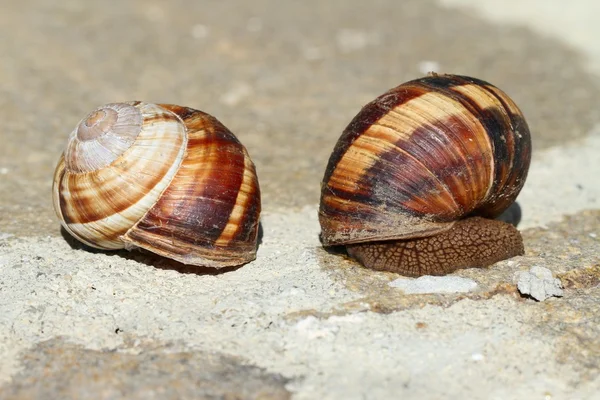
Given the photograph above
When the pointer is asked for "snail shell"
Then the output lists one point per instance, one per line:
(416, 160)
(165, 178)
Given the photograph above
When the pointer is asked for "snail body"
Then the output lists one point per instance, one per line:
(165, 178)
(415, 165)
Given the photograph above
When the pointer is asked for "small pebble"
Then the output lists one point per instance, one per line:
(539, 283)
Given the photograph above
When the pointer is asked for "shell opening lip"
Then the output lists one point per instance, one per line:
(97, 123)
(343, 239)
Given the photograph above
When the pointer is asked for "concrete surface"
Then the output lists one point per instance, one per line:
(299, 322)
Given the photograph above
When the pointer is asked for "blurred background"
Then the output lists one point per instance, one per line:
(285, 76)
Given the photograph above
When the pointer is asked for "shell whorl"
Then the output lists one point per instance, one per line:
(98, 205)
(421, 156)
(177, 183)
(102, 136)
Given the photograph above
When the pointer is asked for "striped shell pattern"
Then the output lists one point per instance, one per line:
(421, 156)
(166, 178)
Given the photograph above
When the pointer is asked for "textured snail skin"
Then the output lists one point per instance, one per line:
(417, 159)
(177, 183)
(470, 243)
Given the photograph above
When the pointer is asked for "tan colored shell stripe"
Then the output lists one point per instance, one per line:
(394, 127)
(244, 203)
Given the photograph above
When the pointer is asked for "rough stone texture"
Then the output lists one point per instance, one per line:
(581, 278)
(317, 318)
(287, 77)
(54, 369)
(434, 284)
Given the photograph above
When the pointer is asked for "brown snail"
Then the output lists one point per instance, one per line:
(415, 180)
(165, 178)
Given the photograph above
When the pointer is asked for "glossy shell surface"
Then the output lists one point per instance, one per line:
(165, 178)
(421, 156)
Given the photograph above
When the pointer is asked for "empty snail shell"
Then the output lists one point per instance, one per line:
(165, 178)
(415, 180)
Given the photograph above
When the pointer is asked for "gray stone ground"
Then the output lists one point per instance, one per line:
(286, 77)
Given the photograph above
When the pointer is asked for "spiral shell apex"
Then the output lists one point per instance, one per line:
(165, 178)
(422, 156)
